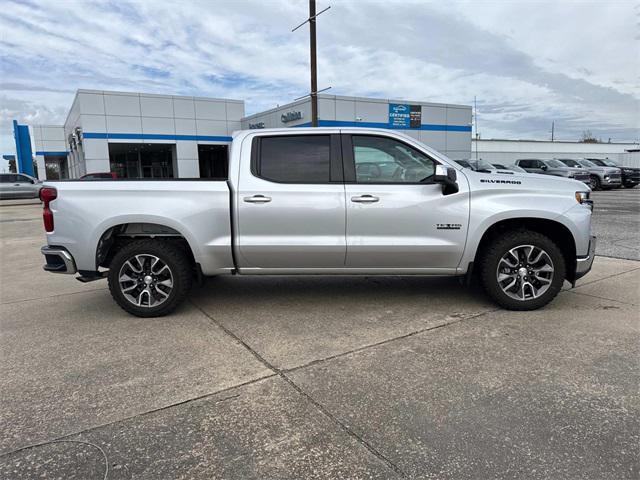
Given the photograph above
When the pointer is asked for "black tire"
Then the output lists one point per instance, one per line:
(488, 268)
(595, 183)
(176, 261)
(630, 185)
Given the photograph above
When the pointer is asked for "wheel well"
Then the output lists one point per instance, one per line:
(557, 232)
(119, 235)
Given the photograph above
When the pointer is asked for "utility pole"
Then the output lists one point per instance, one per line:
(313, 59)
(314, 63)
(553, 125)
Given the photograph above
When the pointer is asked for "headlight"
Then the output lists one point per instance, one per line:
(570, 175)
(606, 177)
(583, 198)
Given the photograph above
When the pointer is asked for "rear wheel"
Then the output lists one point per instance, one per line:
(594, 182)
(150, 278)
(522, 270)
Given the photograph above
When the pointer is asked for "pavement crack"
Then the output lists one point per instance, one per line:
(142, 414)
(309, 398)
(389, 340)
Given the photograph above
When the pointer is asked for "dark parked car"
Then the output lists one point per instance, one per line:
(553, 167)
(630, 175)
(99, 176)
(464, 163)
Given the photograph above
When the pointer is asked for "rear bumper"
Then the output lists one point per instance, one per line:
(58, 260)
(583, 264)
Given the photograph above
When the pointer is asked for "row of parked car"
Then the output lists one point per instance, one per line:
(597, 173)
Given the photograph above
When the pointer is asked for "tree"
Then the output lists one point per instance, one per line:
(587, 137)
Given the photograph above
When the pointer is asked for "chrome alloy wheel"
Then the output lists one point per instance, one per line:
(145, 280)
(525, 272)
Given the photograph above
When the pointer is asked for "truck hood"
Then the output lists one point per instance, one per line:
(528, 181)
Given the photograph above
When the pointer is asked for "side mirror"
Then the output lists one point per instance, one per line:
(446, 176)
(543, 167)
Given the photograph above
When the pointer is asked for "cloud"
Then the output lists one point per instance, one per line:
(528, 63)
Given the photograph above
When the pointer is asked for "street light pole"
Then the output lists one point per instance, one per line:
(314, 63)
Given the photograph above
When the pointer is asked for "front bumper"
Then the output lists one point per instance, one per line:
(58, 260)
(583, 264)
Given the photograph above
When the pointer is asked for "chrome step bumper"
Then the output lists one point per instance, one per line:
(58, 260)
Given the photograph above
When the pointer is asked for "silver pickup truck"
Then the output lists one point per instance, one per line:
(322, 201)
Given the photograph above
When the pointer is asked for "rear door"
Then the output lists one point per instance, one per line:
(291, 203)
(396, 217)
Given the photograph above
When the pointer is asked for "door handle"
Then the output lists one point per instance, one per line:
(257, 199)
(365, 199)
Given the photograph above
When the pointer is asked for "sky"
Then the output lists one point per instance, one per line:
(576, 63)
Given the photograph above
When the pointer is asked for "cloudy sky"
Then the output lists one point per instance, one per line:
(528, 63)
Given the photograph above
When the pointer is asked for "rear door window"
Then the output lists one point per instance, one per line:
(295, 159)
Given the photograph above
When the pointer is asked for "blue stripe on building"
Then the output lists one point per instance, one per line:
(427, 126)
(52, 154)
(155, 136)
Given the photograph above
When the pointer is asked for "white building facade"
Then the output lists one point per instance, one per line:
(444, 127)
(152, 136)
(138, 135)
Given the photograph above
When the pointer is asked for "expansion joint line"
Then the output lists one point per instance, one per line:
(282, 374)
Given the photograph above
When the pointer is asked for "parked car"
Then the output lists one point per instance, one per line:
(18, 185)
(630, 175)
(553, 167)
(99, 176)
(513, 168)
(464, 163)
(599, 177)
(322, 201)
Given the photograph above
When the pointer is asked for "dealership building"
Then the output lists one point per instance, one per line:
(139, 135)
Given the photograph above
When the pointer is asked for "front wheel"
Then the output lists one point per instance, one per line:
(150, 278)
(594, 183)
(522, 270)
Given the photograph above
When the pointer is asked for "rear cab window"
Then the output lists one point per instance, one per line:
(312, 159)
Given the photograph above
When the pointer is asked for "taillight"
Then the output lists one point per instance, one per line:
(48, 194)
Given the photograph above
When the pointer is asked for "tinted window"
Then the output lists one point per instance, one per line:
(385, 160)
(295, 158)
(4, 178)
(555, 164)
(570, 163)
(525, 163)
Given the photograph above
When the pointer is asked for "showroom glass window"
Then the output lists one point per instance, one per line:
(385, 160)
(295, 158)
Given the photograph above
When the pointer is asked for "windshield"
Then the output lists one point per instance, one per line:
(609, 163)
(463, 163)
(484, 165)
(587, 163)
(570, 163)
(556, 164)
(598, 162)
(516, 168)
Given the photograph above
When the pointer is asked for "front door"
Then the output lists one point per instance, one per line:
(291, 205)
(397, 218)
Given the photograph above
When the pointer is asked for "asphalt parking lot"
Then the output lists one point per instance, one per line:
(311, 377)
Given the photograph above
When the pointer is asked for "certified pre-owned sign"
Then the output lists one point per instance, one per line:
(291, 117)
(405, 116)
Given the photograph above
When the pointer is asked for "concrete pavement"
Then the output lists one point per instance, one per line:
(308, 377)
